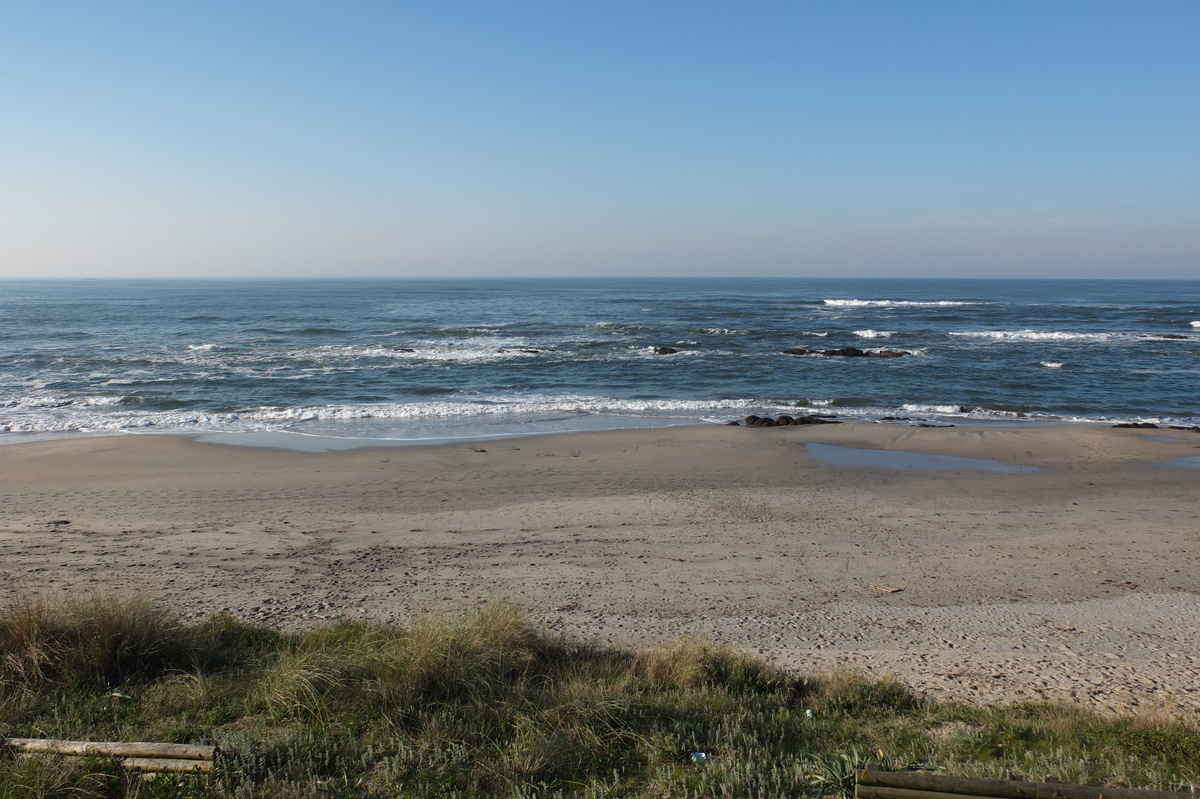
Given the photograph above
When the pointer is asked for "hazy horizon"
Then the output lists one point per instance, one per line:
(532, 139)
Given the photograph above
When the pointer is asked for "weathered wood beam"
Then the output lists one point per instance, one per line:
(53, 746)
(874, 784)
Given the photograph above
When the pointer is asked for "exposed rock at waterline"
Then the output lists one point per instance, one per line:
(846, 352)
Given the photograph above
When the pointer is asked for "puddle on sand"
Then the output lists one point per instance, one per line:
(1167, 438)
(1190, 462)
(903, 460)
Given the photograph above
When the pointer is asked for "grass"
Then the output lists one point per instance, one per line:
(485, 704)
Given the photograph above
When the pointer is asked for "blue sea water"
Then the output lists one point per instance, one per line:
(429, 360)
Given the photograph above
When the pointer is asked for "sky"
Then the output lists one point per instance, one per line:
(923, 138)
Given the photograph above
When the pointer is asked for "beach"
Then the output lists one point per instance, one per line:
(1074, 580)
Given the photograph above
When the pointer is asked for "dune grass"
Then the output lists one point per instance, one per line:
(485, 704)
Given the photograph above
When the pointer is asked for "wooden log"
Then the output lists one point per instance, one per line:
(165, 764)
(920, 785)
(887, 792)
(135, 749)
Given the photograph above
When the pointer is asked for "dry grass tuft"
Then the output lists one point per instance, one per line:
(692, 663)
(104, 640)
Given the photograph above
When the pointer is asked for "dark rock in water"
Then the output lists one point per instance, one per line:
(1193, 428)
(759, 421)
(926, 424)
(847, 352)
(785, 420)
(403, 349)
(895, 419)
(734, 423)
(1138, 425)
(665, 350)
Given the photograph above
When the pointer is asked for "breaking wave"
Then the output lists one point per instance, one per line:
(1058, 335)
(899, 303)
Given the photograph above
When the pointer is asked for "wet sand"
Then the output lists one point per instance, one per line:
(1077, 582)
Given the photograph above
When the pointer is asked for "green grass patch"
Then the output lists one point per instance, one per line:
(485, 704)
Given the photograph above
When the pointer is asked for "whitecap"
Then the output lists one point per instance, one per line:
(1196, 323)
(1052, 364)
(1034, 335)
(874, 333)
(921, 408)
(619, 327)
(898, 303)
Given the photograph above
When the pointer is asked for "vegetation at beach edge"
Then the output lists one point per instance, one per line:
(485, 704)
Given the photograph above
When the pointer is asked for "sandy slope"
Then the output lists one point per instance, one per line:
(1078, 582)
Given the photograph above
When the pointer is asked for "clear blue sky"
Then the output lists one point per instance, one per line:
(1056, 138)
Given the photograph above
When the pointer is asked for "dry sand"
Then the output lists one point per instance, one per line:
(1077, 583)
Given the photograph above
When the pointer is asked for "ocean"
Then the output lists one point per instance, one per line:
(351, 362)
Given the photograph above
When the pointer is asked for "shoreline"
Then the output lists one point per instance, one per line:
(1075, 583)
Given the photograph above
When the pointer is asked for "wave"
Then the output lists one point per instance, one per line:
(618, 327)
(874, 333)
(479, 351)
(899, 303)
(939, 409)
(74, 416)
(1196, 323)
(1052, 364)
(484, 416)
(1058, 335)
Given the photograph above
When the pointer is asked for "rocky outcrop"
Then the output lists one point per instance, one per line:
(847, 352)
(665, 350)
(785, 420)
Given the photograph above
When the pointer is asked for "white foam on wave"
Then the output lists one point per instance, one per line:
(1060, 335)
(874, 333)
(943, 409)
(467, 352)
(202, 347)
(821, 403)
(1196, 323)
(1034, 335)
(79, 416)
(494, 407)
(1052, 364)
(898, 303)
